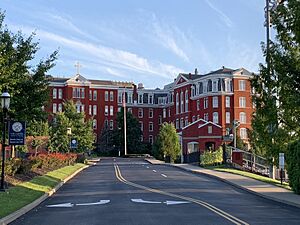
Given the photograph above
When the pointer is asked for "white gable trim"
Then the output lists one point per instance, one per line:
(179, 78)
(209, 122)
(78, 80)
(194, 123)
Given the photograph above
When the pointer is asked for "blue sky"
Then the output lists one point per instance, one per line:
(141, 40)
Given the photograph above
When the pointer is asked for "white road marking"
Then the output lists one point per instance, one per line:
(147, 167)
(154, 171)
(63, 205)
(101, 202)
(139, 200)
(164, 175)
(175, 202)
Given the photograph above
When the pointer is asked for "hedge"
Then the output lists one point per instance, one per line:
(209, 158)
(293, 165)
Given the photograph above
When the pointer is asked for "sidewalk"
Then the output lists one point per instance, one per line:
(262, 189)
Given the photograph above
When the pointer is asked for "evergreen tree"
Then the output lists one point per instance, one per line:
(167, 143)
(277, 99)
(81, 130)
(134, 133)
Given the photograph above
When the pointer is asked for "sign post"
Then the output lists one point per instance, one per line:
(281, 165)
(73, 143)
(17, 133)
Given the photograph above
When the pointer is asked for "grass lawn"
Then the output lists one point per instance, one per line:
(251, 175)
(22, 194)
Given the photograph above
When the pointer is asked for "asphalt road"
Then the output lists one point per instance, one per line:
(131, 191)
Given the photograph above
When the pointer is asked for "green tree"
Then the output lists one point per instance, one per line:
(81, 130)
(277, 99)
(134, 133)
(26, 83)
(167, 143)
(293, 165)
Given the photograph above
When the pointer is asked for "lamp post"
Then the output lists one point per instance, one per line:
(69, 133)
(5, 100)
(236, 124)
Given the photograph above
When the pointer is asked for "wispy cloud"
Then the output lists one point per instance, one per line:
(109, 56)
(228, 22)
(168, 37)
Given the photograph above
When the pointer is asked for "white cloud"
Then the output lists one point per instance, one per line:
(228, 22)
(167, 37)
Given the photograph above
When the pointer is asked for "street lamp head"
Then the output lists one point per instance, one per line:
(5, 99)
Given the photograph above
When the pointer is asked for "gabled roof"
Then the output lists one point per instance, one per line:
(223, 70)
(191, 76)
(204, 123)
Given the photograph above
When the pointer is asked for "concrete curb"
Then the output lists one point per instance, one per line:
(231, 183)
(15, 215)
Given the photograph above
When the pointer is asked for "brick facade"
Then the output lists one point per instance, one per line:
(220, 97)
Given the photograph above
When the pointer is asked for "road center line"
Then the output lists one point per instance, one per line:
(164, 175)
(154, 171)
(210, 207)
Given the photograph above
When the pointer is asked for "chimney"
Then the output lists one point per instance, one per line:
(196, 71)
(140, 86)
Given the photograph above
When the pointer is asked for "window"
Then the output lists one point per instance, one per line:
(242, 117)
(193, 118)
(242, 102)
(129, 110)
(111, 96)
(215, 117)
(77, 92)
(150, 99)
(94, 124)
(206, 116)
(209, 129)
(228, 85)
(120, 97)
(181, 103)
(129, 97)
(181, 123)
(54, 108)
(119, 109)
(227, 117)
(227, 102)
(54, 93)
(198, 117)
(106, 96)
(82, 108)
(140, 99)
(94, 110)
(90, 109)
(60, 93)
(82, 92)
(186, 122)
(106, 123)
(141, 125)
(159, 120)
(205, 103)
(164, 113)
(215, 102)
(90, 95)
(200, 91)
(106, 110)
(169, 112)
(111, 110)
(150, 113)
(198, 104)
(186, 100)
(177, 124)
(59, 107)
(215, 86)
(150, 139)
(111, 124)
(177, 103)
(140, 113)
(243, 133)
(95, 95)
(78, 107)
(242, 85)
(150, 126)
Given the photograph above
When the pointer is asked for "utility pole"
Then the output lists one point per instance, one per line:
(125, 131)
(267, 14)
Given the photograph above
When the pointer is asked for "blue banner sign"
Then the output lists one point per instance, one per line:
(17, 133)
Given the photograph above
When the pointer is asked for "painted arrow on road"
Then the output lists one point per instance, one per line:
(70, 205)
(139, 200)
(63, 205)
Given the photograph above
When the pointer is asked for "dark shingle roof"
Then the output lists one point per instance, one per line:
(190, 76)
(222, 70)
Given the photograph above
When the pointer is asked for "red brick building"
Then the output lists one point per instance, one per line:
(194, 103)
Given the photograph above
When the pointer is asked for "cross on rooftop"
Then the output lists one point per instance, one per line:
(78, 65)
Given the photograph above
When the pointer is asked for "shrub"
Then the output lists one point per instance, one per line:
(293, 165)
(12, 166)
(52, 160)
(211, 157)
(80, 158)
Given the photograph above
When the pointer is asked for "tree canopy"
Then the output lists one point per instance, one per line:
(26, 83)
(277, 99)
(80, 129)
